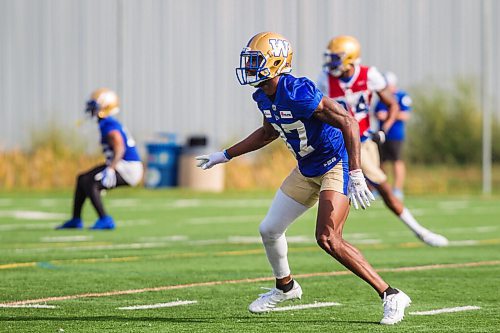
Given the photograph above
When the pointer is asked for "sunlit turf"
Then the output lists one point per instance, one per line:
(175, 238)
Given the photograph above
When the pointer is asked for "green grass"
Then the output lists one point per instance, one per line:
(167, 238)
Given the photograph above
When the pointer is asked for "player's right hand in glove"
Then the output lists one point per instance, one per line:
(107, 177)
(208, 161)
(358, 191)
(378, 137)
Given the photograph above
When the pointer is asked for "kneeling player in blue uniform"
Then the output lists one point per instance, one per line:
(123, 166)
(324, 138)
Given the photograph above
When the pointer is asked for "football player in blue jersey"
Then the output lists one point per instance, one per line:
(123, 165)
(324, 139)
(391, 150)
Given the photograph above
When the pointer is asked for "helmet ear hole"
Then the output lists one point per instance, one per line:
(277, 62)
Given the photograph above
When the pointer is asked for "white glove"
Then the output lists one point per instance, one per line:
(107, 177)
(358, 191)
(208, 161)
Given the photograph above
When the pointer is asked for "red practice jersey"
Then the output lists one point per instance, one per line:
(355, 95)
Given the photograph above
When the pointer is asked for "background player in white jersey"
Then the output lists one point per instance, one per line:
(123, 165)
(324, 138)
(353, 85)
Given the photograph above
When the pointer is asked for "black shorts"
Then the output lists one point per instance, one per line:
(391, 150)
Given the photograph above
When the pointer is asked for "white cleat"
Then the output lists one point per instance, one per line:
(266, 302)
(433, 239)
(394, 308)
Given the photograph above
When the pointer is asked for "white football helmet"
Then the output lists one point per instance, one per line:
(103, 103)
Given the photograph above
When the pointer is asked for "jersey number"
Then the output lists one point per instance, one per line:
(298, 126)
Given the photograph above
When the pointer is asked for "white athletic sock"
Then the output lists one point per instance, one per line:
(410, 221)
(283, 211)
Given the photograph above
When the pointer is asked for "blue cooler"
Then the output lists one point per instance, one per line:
(163, 162)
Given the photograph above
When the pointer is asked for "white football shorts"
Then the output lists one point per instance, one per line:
(370, 162)
(305, 190)
(131, 171)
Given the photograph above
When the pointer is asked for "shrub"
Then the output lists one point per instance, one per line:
(446, 127)
(52, 162)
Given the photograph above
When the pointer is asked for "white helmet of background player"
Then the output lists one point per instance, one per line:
(341, 54)
(103, 103)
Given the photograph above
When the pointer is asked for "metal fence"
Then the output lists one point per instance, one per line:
(172, 62)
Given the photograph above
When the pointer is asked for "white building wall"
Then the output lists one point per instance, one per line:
(172, 62)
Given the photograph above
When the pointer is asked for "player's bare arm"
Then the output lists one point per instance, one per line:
(382, 115)
(258, 139)
(392, 106)
(403, 116)
(116, 143)
(332, 113)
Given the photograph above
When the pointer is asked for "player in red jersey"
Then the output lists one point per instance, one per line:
(349, 83)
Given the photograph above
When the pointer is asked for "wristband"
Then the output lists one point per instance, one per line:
(355, 171)
(226, 154)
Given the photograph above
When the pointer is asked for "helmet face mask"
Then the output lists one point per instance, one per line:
(252, 68)
(334, 63)
(341, 54)
(92, 108)
(266, 56)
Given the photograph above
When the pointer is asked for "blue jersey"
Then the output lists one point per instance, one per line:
(316, 145)
(109, 124)
(397, 131)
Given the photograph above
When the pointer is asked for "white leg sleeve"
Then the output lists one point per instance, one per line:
(410, 221)
(283, 211)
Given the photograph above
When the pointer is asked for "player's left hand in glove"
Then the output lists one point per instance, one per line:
(358, 191)
(208, 161)
(378, 137)
(107, 177)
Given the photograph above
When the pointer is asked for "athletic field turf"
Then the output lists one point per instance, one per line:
(187, 262)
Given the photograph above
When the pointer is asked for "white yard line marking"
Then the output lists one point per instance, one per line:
(57, 239)
(447, 231)
(358, 235)
(173, 238)
(36, 306)
(31, 215)
(467, 242)
(127, 246)
(445, 310)
(259, 279)
(129, 203)
(156, 306)
(365, 241)
(188, 203)
(450, 205)
(134, 223)
(6, 202)
(224, 219)
(306, 306)
(24, 226)
(476, 229)
(54, 202)
(258, 240)
(50, 226)
(374, 243)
